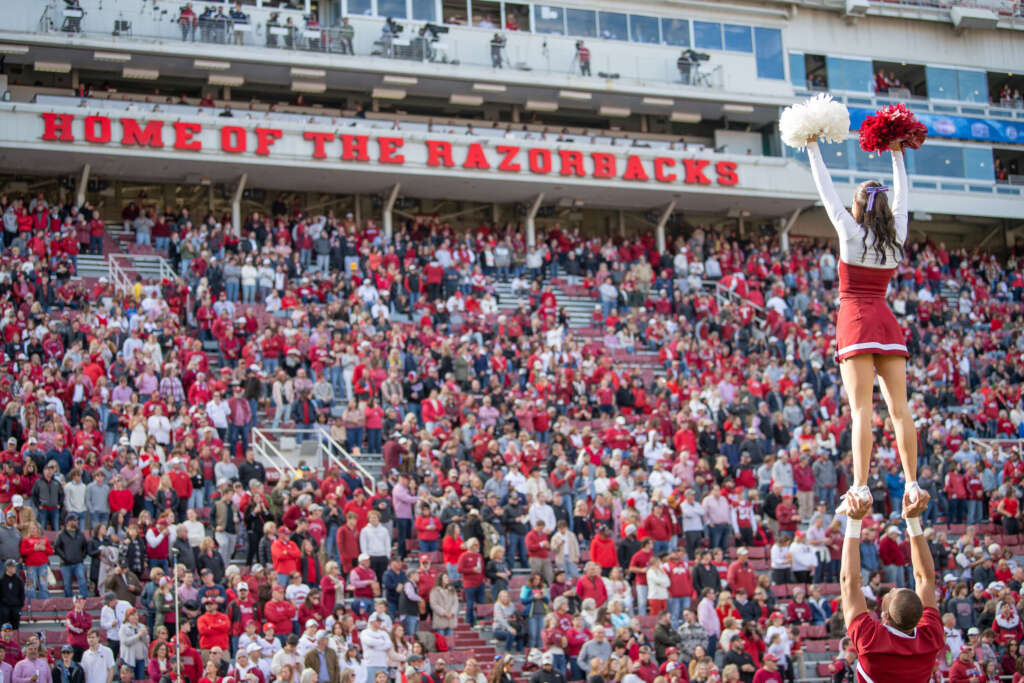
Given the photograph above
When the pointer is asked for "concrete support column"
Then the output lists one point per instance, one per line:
(357, 213)
(236, 204)
(389, 205)
(531, 223)
(83, 182)
(785, 228)
(622, 223)
(659, 230)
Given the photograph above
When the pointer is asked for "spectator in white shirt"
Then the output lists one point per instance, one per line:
(98, 660)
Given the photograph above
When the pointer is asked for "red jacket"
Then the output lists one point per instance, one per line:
(592, 588)
(83, 622)
(658, 528)
(602, 551)
(471, 567)
(537, 545)
(279, 613)
(213, 630)
(120, 500)
(889, 552)
(32, 556)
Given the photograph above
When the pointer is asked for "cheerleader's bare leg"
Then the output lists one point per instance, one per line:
(858, 374)
(892, 380)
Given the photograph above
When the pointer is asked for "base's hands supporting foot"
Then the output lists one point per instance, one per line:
(915, 506)
(914, 493)
(856, 493)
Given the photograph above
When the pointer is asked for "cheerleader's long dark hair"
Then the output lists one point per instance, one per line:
(871, 209)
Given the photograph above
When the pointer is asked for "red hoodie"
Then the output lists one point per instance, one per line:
(602, 551)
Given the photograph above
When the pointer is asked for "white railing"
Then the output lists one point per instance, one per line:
(333, 450)
(723, 294)
(117, 275)
(265, 446)
(993, 446)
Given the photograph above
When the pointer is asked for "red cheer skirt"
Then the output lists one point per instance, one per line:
(865, 323)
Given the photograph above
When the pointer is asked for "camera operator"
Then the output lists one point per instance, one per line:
(345, 35)
(497, 46)
(684, 65)
(206, 24)
(220, 26)
(388, 32)
(238, 18)
(273, 22)
(583, 55)
(187, 20)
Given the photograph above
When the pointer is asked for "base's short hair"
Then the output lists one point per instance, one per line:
(905, 609)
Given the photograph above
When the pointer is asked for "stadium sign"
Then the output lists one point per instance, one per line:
(389, 150)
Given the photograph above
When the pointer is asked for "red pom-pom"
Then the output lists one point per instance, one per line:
(892, 124)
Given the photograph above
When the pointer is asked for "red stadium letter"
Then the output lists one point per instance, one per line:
(572, 163)
(233, 139)
(265, 138)
(726, 171)
(695, 171)
(183, 133)
(55, 124)
(604, 164)
(634, 169)
(91, 134)
(319, 140)
(508, 162)
(475, 157)
(355, 147)
(388, 147)
(540, 160)
(150, 136)
(659, 169)
(439, 153)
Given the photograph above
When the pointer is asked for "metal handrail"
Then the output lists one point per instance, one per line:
(997, 444)
(329, 445)
(261, 443)
(117, 274)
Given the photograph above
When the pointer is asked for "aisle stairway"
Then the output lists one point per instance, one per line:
(578, 308)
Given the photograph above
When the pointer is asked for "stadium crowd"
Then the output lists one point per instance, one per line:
(648, 500)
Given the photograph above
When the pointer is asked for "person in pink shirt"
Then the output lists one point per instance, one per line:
(403, 501)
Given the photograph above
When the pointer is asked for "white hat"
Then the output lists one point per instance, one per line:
(242, 586)
(949, 578)
(253, 647)
(17, 501)
(547, 658)
(363, 557)
(321, 634)
(892, 530)
(311, 622)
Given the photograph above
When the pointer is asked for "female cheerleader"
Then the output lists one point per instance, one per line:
(868, 338)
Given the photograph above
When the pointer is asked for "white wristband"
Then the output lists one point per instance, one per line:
(853, 528)
(914, 527)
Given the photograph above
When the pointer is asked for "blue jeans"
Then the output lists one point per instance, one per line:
(474, 596)
(161, 243)
(404, 529)
(74, 571)
(676, 607)
(231, 290)
(96, 245)
(517, 546)
(505, 637)
(894, 574)
(94, 518)
(248, 294)
(236, 434)
(195, 501)
(373, 440)
(410, 625)
(974, 511)
(428, 546)
(536, 626)
(719, 535)
(354, 437)
(38, 582)
(957, 510)
(49, 516)
(660, 548)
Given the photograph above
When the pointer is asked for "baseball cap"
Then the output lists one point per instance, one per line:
(311, 622)
(253, 647)
(547, 658)
(948, 578)
(67, 648)
(363, 557)
(243, 586)
(979, 586)
(769, 657)
(424, 558)
(973, 631)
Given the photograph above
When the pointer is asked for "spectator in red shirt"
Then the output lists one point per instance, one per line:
(538, 550)
(741, 574)
(603, 551)
(591, 585)
(471, 568)
(214, 627)
(769, 671)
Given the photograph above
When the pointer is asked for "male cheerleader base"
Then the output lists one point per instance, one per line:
(903, 646)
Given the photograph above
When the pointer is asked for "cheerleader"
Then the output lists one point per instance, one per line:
(869, 340)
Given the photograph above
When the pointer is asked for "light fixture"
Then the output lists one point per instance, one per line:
(140, 74)
(658, 101)
(226, 79)
(399, 80)
(388, 94)
(12, 49)
(315, 87)
(211, 65)
(685, 117)
(466, 100)
(299, 72)
(53, 67)
(614, 112)
(738, 108)
(574, 95)
(489, 87)
(101, 56)
(540, 105)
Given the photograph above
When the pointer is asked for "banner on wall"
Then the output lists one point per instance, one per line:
(957, 127)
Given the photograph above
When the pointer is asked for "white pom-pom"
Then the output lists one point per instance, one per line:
(819, 117)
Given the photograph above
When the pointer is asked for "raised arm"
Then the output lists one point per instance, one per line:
(920, 555)
(850, 593)
(899, 195)
(841, 219)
